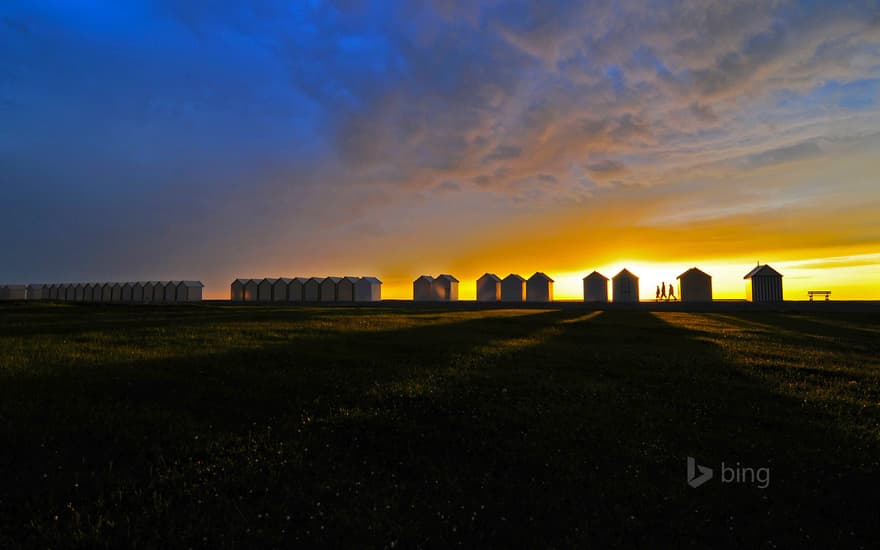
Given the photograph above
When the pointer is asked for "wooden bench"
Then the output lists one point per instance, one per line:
(826, 293)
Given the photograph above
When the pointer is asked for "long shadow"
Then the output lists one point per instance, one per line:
(545, 429)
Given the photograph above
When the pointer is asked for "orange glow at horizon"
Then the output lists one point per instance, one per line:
(855, 277)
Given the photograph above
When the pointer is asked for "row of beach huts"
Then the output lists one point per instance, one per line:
(134, 292)
(763, 284)
(307, 289)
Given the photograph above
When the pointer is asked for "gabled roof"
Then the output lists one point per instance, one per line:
(514, 276)
(300, 280)
(283, 280)
(625, 273)
(172, 283)
(372, 280)
(541, 275)
(318, 280)
(333, 280)
(241, 281)
(350, 279)
(191, 283)
(595, 274)
(694, 271)
(490, 276)
(268, 280)
(424, 278)
(37, 285)
(762, 271)
(448, 277)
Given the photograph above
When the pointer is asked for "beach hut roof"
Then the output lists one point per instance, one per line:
(762, 271)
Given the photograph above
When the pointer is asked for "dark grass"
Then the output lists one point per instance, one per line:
(157, 427)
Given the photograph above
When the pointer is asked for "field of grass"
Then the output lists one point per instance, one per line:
(249, 427)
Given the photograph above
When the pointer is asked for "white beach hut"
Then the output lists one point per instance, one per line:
(329, 286)
(189, 291)
(345, 289)
(445, 288)
(295, 289)
(106, 292)
(596, 287)
(513, 288)
(488, 288)
(695, 286)
(368, 289)
(312, 289)
(251, 290)
(127, 292)
(236, 290)
(280, 288)
(37, 292)
(625, 287)
(763, 284)
(422, 289)
(539, 288)
(264, 290)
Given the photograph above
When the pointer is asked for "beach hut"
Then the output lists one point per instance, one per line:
(189, 291)
(89, 292)
(171, 291)
(312, 289)
(513, 288)
(126, 292)
(279, 289)
(625, 287)
(445, 288)
(368, 289)
(50, 292)
(539, 288)
(236, 290)
(16, 292)
(763, 284)
(79, 292)
(596, 287)
(116, 292)
(251, 290)
(264, 290)
(488, 288)
(329, 286)
(37, 292)
(138, 292)
(694, 286)
(295, 289)
(106, 292)
(63, 290)
(150, 291)
(422, 289)
(345, 289)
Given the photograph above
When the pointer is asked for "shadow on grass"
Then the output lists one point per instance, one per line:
(535, 429)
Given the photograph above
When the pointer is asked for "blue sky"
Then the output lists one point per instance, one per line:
(165, 140)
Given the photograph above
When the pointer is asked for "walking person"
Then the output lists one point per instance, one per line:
(672, 293)
(663, 291)
(658, 293)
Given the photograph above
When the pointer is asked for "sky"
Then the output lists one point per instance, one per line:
(157, 140)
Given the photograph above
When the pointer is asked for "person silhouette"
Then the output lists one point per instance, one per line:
(672, 293)
(663, 291)
(658, 293)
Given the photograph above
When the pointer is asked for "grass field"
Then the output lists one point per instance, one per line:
(252, 427)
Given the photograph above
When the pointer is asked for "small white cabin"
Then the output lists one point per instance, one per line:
(596, 287)
(489, 288)
(539, 288)
(368, 289)
(422, 289)
(445, 288)
(513, 288)
(625, 288)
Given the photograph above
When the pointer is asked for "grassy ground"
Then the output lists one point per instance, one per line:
(156, 427)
